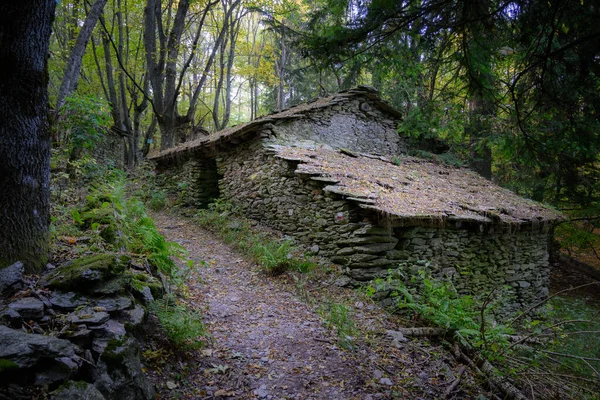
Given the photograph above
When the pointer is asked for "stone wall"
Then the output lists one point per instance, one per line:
(515, 263)
(267, 189)
(194, 183)
(354, 124)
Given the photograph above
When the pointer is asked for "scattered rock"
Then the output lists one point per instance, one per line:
(343, 281)
(28, 308)
(396, 336)
(11, 279)
(386, 381)
(77, 391)
(262, 392)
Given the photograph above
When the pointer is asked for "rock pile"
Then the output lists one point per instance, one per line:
(73, 333)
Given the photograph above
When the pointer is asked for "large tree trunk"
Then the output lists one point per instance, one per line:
(71, 76)
(25, 28)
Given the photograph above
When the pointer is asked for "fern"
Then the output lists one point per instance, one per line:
(135, 230)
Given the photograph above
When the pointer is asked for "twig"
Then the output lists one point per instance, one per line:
(518, 317)
(456, 382)
(570, 355)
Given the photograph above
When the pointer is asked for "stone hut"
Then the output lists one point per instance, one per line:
(333, 174)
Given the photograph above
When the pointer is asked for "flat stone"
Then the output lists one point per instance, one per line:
(373, 230)
(380, 262)
(86, 273)
(375, 248)
(11, 278)
(367, 240)
(9, 316)
(28, 308)
(386, 381)
(88, 316)
(67, 301)
(346, 251)
(114, 304)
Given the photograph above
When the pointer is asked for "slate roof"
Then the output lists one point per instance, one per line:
(226, 138)
(416, 189)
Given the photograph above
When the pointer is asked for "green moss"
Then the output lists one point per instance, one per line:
(7, 365)
(114, 353)
(87, 270)
(139, 281)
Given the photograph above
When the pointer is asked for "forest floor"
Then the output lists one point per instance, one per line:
(270, 337)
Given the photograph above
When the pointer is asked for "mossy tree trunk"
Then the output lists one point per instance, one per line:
(25, 28)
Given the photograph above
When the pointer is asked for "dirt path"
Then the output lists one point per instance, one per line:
(269, 344)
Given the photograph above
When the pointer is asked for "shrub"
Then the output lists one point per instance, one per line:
(339, 317)
(182, 325)
(158, 200)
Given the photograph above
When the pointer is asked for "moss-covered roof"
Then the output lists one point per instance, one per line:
(416, 189)
(226, 138)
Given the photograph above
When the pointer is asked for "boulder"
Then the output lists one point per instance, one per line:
(36, 359)
(11, 279)
(28, 308)
(114, 304)
(118, 373)
(86, 274)
(67, 301)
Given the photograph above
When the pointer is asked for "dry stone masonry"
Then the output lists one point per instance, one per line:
(321, 172)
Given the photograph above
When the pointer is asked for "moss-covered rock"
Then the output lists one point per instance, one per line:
(140, 281)
(87, 273)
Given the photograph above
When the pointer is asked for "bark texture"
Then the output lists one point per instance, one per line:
(25, 28)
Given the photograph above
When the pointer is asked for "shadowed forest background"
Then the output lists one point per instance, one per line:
(510, 89)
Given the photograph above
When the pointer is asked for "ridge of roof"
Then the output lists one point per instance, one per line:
(241, 132)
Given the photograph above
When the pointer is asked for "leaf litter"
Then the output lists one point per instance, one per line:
(269, 342)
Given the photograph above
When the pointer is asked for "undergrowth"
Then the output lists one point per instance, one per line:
(275, 256)
(182, 325)
(549, 354)
(338, 317)
(123, 223)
